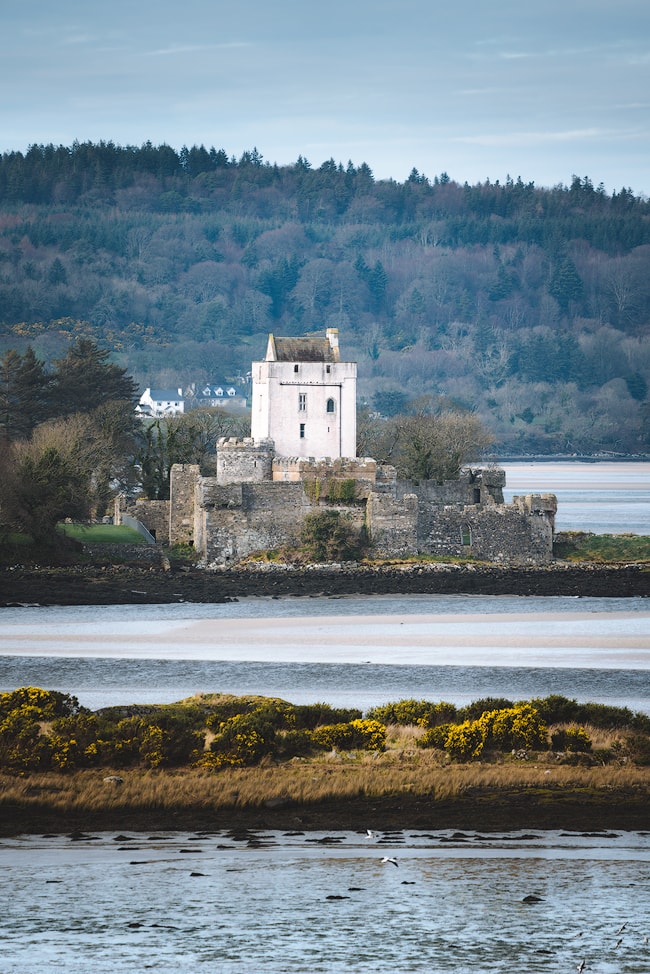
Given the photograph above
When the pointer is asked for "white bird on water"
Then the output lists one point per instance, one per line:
(390, 859)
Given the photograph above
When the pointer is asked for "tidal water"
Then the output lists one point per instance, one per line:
(601, 497)
(354, 652)
(177, 903)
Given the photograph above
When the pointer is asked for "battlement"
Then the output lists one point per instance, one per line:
(243, 460)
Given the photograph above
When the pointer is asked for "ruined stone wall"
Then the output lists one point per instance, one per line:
(182, 490)
(235, 521)
(392, 525)
(232, 521)
(474, 486)
(498, 533)
(153, 514)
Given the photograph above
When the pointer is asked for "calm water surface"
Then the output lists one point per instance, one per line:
(348, 652)
(604, 498)
(326, 903)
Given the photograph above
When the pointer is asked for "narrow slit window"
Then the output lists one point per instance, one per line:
(302, 402)
(302, 431)
(330, 405)
(296, 368)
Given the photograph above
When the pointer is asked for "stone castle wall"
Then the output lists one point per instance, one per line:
(258, 502)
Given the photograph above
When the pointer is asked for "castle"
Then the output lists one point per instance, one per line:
(301, 458)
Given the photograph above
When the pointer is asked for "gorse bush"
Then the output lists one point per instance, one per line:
(43, 730)
(573, 739)
(366, 735)
(419, 713)
(240, 741)
(48, 703)
(504, 730)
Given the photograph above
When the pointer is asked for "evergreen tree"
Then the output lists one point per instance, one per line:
(85, 378)
(24, 388)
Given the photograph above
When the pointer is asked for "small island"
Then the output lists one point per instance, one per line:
(218, 761)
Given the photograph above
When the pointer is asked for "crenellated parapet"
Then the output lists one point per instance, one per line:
(243, 460)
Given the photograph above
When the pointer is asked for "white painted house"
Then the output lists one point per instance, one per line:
(161, 402)
(305, 398)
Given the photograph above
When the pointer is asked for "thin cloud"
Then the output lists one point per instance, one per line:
(193, 48)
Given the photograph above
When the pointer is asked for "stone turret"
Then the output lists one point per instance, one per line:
(244, 460)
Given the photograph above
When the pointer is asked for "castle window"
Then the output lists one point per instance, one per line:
(328, 369)
(296, 368)
(465, 535)
(330, 406)
(302, 402)
(302, 431)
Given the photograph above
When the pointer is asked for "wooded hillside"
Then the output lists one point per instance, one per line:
(530, 306)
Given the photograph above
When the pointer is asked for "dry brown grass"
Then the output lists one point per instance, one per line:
(306, 782)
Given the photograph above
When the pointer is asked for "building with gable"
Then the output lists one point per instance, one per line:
(161, 402)
(301, 459)
(305, 398)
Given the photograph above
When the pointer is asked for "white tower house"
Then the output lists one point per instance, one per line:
(305, 398)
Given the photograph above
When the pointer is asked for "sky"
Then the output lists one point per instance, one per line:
(542, 90)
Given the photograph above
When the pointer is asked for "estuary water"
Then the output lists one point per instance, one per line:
(601, 497)
(290, 903)
(354, 651)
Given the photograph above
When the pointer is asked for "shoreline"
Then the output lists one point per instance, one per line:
(150, 585)
(397, 792)
(486, 810)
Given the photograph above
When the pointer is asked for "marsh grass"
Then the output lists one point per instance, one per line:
(578, 546)
(304, 782)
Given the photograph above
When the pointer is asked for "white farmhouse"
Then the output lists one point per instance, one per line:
(304, 398)
(161, 402)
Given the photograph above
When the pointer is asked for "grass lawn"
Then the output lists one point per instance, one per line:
(101, 533)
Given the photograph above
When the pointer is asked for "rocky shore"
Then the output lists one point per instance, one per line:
(154, 584)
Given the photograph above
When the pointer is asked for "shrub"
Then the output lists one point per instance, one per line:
(227, 706)
(240, 741)
(477, 708)
(509, 729)
(293, 743)
(329, 536)
(466, 741)
(314, 714)
(49, 703)
(517, 727)
(71, 741)
(420, 713)
(22, 745)
(574, 739)
(434, 737)
(365, 735)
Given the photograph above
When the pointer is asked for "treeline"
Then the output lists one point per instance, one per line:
(527, 305)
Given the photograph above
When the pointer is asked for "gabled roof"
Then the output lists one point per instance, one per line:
(165, 395)
(310, 349)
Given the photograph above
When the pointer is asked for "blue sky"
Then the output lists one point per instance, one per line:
(479, 90)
